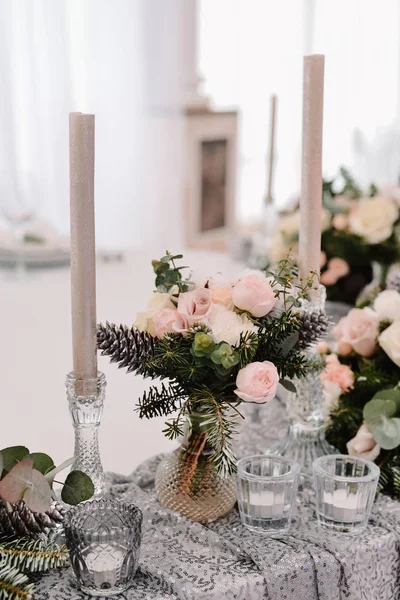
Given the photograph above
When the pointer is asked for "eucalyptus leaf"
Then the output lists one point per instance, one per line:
(1, 464)
(377, 410)
(42, 462)
(386, 433)
(77, 487)
(290, 343)
(288, 385)
(13, 455)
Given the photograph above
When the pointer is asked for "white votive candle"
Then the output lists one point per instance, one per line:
(266, 504)
(342, 506)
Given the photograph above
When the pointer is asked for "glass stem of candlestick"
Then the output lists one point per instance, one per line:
(305, 440)
(86, 399)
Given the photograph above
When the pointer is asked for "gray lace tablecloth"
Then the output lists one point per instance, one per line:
(184, 560)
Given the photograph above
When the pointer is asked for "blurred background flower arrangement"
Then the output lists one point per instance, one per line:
(360, 236)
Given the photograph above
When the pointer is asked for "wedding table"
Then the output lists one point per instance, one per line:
(179, 559)
(185, 560)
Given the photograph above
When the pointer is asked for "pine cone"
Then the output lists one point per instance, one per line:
(18, 520)
(127, 347)
(315, 324)
(393, 281)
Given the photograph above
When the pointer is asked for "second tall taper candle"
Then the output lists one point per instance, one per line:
(311, 175)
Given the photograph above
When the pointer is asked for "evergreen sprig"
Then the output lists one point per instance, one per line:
(14, 585)
(33, 555)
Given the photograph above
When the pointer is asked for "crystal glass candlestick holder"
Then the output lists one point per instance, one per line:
(305, 440)
(345, 488)
(85, 399)
(103, 539)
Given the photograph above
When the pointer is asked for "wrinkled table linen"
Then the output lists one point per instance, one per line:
(182, 560)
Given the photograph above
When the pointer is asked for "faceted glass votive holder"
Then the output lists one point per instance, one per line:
(103, 539)
(267, 488)
(345, 488)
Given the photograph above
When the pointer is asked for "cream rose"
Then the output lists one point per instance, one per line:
(389, 340)
(373, 218)
(222, 296)
(253, 292)
(158, 301)
(195, 306)
(227, 326)
(168, 320)
(363, 444)
(357, 331)
(387, 305)
(257, 382)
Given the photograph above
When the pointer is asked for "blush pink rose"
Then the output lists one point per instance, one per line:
(257, 382)
(358, 331)
(221, 295)
(363, 444)
(335, 372)
(340, 222)
(195, 306)
(168, 320)
(322, 347)
(337, 268)
(252, 292)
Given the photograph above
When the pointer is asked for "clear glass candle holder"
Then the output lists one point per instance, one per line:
(103, 539)
(345, 488)
(267, 488)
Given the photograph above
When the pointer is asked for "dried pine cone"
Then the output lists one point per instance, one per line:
(127, 347)
(315, 324)
(18, 520)
(393, 281)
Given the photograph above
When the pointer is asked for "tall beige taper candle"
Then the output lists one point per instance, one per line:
(311, 175)
(83, 257)
(271, 155)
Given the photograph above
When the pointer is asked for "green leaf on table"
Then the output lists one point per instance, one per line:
(42, 462)
(13, 455)
(288, 385)
(24, 482)
(1, 464)
(77, 487)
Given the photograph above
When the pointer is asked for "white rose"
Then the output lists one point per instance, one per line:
(363, 444)
(387, 305)
(332, 392)
(389, 340)
(373, 218)
(227, 326)
(158, 301)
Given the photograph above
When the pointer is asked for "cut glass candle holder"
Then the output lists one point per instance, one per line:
(267, 487)
(103, 539)
(86, 399)
(345, 488)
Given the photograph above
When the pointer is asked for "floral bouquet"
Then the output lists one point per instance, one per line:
(218, 343)
(362, 386)
(359, 230)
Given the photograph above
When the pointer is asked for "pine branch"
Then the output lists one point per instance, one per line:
(14, 585)
(33, 555)
(160, 402)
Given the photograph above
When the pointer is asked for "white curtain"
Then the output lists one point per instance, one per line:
(250, 49)
(123, 61)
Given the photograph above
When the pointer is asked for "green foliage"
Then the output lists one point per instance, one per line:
(11, 456)
(203, 344)
(14, 585)
(381, 414)
(168, 275)
(77, 488)
(42, 462)
(33, 555)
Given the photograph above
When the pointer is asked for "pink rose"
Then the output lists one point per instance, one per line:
(257, 382)
(337, 268)
(168, 320)
(252, 292)
(322, 347)
(195, 306)
(221, 295)
(340, 222)
(335, 372)
(358, 331)
(363, 444)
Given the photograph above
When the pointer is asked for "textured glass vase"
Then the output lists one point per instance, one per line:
(305, 440)
(86, 399)
(187, 480)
